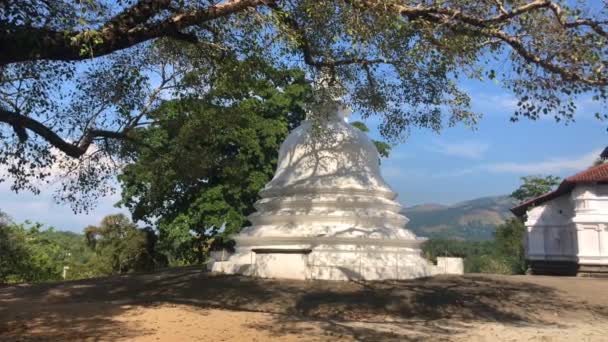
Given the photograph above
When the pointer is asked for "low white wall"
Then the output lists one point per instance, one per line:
(449, 265)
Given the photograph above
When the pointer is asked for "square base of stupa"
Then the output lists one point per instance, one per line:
(334, 263)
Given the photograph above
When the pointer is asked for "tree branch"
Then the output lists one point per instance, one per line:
(21, 123)
(308, 53)
(595, 25)
(26, 43)
(487, 27)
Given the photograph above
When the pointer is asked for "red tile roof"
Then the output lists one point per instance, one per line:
(598, 173)
(594, 174)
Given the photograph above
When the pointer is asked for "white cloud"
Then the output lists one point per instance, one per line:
(491, 104)
(44, 209)
(548, 166)
(554, 165)
(394, 173)
(454, 173)
(505, 103)
(395, 155)
(463, 149)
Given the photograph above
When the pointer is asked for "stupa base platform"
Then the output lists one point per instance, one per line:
(333, 259)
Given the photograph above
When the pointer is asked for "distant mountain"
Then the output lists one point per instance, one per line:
(471, 220)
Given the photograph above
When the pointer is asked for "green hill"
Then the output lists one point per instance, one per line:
(471, 220)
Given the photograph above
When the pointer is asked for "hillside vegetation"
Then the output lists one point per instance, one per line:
(476, 219)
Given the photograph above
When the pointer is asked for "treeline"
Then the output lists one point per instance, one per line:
(502, 255)
(31, 253)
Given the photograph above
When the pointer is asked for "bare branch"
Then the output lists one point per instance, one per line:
(501, 6)
(595, 25)
(21, 122)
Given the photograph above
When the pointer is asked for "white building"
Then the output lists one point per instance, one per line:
(329, 214)
(567, 229)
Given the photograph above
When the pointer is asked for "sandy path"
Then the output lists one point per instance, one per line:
(169, 322)
(189, 305)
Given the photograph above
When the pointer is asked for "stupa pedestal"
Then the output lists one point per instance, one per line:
(329, 214)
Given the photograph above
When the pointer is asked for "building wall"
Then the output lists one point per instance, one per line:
(591, 219)
(573, 227)
(551, 232)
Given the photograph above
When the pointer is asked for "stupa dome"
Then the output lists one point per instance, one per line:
(332, 156)
(328, 184)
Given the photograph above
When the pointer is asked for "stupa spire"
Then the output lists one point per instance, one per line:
(328, 99)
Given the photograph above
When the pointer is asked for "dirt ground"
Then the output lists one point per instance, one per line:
(190, 305)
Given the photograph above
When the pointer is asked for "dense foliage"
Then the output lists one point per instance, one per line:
(534, 186)
(122, 247)
(200, 168)
(31, 253)
(510, 238)
(503, 255)
(24, 256)
(81, 76)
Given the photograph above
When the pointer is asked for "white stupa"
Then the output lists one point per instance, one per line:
(328, 213)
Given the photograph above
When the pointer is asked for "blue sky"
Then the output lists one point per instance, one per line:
(456, 165)
(463, 163)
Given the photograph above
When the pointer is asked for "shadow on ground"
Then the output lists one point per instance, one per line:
(438, 306)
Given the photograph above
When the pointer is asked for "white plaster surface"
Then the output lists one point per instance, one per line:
(329, 214)
(449, 265)
(572, 227)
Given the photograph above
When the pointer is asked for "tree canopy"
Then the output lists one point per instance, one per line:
(29, 253)
(77, 78)
(534, 186)
(198, 172)
(120, 246)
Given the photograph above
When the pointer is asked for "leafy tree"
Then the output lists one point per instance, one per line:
(602, 159)
(12, 251)
(534, 186)
(203, 163)
(122, 247)
(503, 255)
(27, 255)
(599, 161)
(509, 238)
(82, 76)
(201, 166)
(383, 148)
(74, 253)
